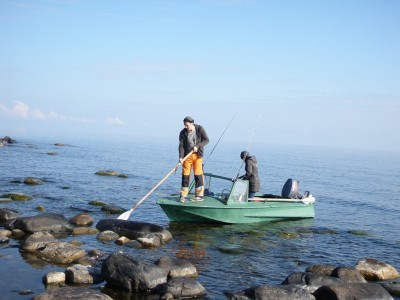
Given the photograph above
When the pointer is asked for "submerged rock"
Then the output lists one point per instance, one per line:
(17, 196)
(32, 181)
(111, 173)
(72, 293)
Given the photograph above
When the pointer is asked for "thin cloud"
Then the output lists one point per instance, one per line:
(114, 121)
(21, 110)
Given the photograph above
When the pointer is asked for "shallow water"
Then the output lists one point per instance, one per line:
(357, 212)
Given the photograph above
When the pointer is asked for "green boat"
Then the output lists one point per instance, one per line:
(226, 201)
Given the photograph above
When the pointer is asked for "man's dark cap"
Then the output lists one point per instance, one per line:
(188, 119)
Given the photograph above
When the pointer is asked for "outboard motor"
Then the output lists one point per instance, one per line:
(291, 189)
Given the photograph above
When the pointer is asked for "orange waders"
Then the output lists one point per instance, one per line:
(195, 162)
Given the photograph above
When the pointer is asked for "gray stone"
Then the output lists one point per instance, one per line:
(8, 214)
(134, 230)
(54, 278)
(177, 267)
(124, 272)
(61, 253)
(82, 219)
(348, 274)
(70, 293)
(353, 290)
(78, 274)
(37, 241)
(183, 287)
(43, 222)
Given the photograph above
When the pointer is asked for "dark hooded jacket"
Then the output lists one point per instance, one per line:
(252, 174)
(201, 138)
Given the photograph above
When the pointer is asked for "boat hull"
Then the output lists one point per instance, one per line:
(212, 210)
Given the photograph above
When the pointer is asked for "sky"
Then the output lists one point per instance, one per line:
(319, 73)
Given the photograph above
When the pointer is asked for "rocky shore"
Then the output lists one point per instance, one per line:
(41, 236)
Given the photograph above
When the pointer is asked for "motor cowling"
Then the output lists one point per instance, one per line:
(291, 189)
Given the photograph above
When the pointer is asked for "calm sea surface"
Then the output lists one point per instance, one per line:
(357, 208)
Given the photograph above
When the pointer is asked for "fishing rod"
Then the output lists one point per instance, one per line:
(216, 144)
(220, 138)
(250, 141)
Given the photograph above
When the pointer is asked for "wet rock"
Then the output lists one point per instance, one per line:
(8, 214)
(272, 292)
(348, 274)
(43, 222)
(72, 293)
(124, 272)
(78, 274)
(183, 287)
(122, 240)
(36, 241)
(324, 270)
(32, 181)
(4, 239)
(5, 200)
(177, 267)
(5, 233)
(393, 287)
(108, 235)
(54, 278)
(113, 209)
(84, 231)
(18, 234)
(374, 270)
(151, 241)
(134, 230)
(60, 253)
(97, 203)
(17, 196)
(82, 219)
(310, 280)
(111, 173)
(353, 290)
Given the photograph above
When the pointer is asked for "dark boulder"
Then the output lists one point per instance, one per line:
(124, 272)
(55, 223)
(71, 294)
(134, 230)
(352, 290)
(7, 214)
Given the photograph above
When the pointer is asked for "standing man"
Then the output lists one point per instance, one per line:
(192, 137)
(251, 173)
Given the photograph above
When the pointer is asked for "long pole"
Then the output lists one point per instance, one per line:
(125, 215)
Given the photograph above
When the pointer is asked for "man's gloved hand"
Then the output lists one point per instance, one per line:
(195, 149)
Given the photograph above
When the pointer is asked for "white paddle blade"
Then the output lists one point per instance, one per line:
(125, 215)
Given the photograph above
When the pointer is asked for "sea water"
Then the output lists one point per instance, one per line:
(356, 212)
